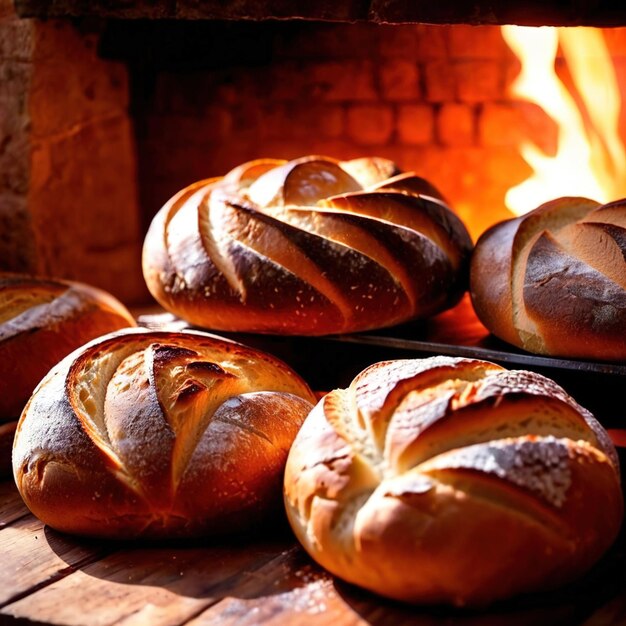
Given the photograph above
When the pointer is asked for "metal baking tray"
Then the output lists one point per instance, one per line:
(458, 332)
(333, 360)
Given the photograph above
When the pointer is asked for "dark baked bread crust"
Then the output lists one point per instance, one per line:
(158, 434)
(41, 321)
(311, 246)
(554, 281)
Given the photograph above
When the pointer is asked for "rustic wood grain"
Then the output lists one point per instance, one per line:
(11, 505)
(33, 556)
(50, 578)
(294, 591)
(160, 586)
(289, 590)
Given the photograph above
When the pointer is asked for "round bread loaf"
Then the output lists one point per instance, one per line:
(455, 481)
(311, 246)
(41, 321)
(157, 434)
(553, 282)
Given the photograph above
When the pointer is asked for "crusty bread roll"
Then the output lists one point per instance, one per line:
(157, 434)
(41, 321)
(553, 282)
(448, 480)
(311, 246)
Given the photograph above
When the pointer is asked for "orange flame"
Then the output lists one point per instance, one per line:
(590, 160)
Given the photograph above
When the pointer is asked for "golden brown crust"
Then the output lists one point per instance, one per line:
(41, 321)
(310, 246)
(158, 434)
(453, 481)
(554, 281)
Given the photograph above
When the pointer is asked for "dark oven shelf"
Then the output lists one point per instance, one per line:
(332, 361)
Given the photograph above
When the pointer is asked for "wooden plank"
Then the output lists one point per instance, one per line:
(289, 590)
(297, 592)
(11, 505)
(293, 590)
(33, 556)
(160, 586)
(269, 583)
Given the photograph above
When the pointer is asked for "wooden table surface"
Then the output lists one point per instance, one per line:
(50, 578)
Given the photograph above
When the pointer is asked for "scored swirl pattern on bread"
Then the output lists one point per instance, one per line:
(41, 321)
(453, 480)
(158, 434)
(310, 246)
(554, 281)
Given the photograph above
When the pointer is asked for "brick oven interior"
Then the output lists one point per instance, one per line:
(102, 119)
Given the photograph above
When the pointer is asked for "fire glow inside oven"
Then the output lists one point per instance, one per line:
(109, 108)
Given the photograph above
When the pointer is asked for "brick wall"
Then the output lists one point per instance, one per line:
(80, 179)
(434, 98)
(68, 188)
(17, 249)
